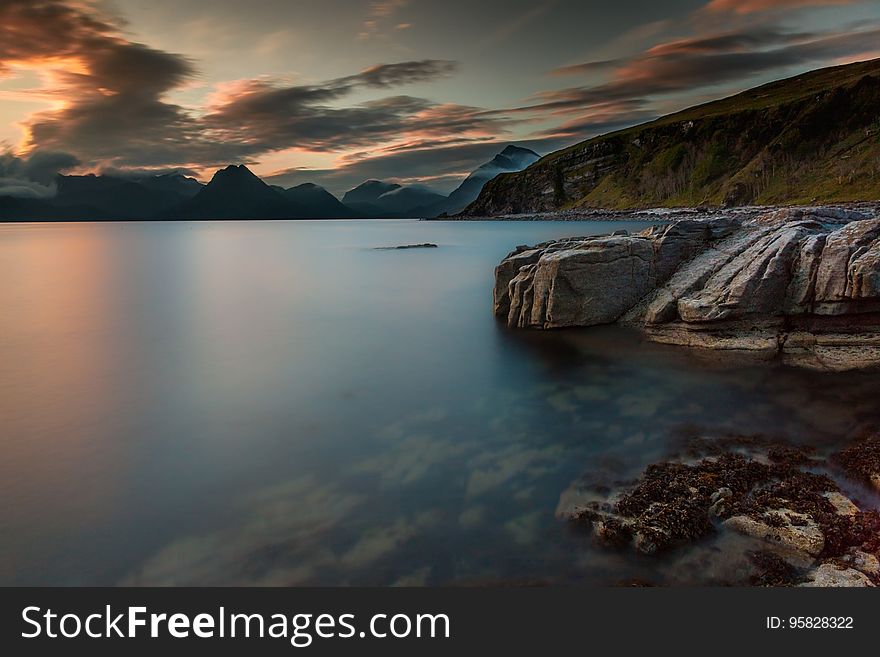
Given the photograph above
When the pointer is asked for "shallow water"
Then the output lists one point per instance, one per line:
(280, 403)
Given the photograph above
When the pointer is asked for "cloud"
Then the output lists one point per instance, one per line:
(441, 164)
(710, 60)
(32, 176)
(107, 91)
(756, 6)
(379, 15)
(266, 118)
(111, 107)
(390, 75)
(516, 24)
(110, 98)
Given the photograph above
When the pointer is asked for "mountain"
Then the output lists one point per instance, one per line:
(112, 197)
(13, 208)
(405, 200)
(236, 193)
(365, 197)
(175, 184)
(368, 192)
(511, 159)
(375, 198)
(233, 193)
(810, 138)
(313, 202)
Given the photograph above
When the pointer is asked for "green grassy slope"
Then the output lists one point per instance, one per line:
(811, 138)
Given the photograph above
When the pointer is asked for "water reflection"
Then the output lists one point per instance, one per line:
(278, 403)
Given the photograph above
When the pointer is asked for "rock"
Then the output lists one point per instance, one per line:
(861, 461)
(830, 575)
(862, 561)
(772, 570)
(797, 532)
(758, 500)
(843, 506)
(800, 283)
(426, 245)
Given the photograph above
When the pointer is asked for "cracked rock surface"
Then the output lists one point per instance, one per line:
(800, 283)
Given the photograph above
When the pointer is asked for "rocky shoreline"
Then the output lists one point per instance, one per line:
(655, 214)
(780, 510)
(801, 284)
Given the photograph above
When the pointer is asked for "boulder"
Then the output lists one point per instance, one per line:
(783, 528)
(830, 575)
(800, 283)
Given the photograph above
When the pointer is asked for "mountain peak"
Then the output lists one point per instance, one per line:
(369, 191)
(234, 171)
(511, 149)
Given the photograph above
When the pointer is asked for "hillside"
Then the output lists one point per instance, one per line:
(810, 138)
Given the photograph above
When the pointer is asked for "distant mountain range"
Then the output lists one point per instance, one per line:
(809, 139)
(237, 193)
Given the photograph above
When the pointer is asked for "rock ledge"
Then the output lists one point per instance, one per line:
(803, 283)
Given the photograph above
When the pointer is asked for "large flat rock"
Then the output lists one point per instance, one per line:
(803, 284)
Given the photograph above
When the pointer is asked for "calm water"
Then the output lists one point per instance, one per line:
(279, 403)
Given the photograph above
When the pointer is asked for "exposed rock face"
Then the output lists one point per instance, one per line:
(804, 283)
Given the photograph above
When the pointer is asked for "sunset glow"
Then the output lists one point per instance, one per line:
(394, 90)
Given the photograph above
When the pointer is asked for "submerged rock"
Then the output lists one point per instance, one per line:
(403, 247)
(803, 283)
(862, 461)
(804, 528)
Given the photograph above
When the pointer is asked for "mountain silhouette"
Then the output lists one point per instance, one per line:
(236, 193)
(376, 198)
(116, 198)
(365, 197)
(310, 201)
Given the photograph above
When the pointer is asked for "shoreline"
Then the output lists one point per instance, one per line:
(659, 214)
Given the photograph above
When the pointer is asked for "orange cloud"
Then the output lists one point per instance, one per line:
(755, 6)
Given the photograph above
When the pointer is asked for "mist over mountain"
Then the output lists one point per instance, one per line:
(376, 198)
(406, 200)
(511, 159)
(235, 192)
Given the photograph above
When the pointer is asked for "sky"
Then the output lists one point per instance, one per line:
(411, 91)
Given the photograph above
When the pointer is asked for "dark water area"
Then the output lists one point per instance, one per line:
(279, 403)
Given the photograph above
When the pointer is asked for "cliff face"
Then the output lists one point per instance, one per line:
(812, 138)
(803, 284)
